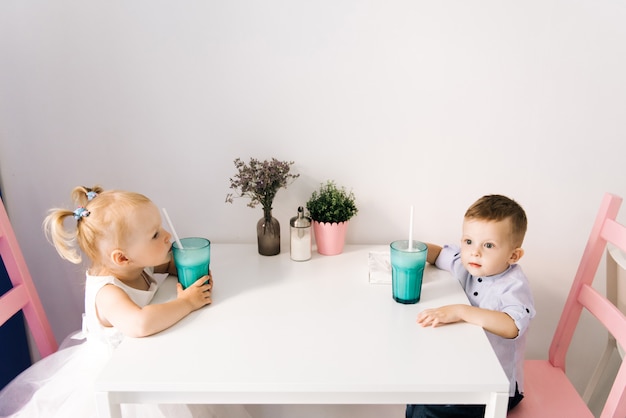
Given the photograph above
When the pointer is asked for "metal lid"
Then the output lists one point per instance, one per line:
(300, 221)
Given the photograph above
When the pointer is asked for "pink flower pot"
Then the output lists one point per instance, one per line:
(330, 238)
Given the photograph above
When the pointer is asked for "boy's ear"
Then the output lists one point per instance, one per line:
(118, 257)
(516, 255)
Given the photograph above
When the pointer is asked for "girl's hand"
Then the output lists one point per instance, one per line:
(198, 294)
(439, 316)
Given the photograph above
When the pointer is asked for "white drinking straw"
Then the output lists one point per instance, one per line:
(411, 229)
(169, 221)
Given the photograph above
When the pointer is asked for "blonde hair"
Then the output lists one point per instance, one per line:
(105, 217)
(498, 208)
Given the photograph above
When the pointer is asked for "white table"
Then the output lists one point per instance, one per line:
(314, 332)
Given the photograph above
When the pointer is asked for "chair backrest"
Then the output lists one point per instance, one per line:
(616, 281)
(616, 293)
(605, 230)
(23, 295)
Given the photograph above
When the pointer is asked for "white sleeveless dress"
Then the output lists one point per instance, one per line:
(61, 385)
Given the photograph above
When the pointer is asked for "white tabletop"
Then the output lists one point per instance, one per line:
(283, 332)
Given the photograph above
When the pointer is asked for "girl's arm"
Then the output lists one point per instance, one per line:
(496, 322)
(115, 308)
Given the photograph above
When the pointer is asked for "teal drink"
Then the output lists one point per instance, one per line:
(192, 261)
(407, 270)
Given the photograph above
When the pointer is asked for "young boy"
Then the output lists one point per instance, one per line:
(499, 292)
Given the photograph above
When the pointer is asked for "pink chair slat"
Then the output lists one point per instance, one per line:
(615, 233)
(606, 312)
(11, 302)
(21, 279)
(548, 392)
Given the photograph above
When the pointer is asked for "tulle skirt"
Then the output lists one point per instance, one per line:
(62, 386)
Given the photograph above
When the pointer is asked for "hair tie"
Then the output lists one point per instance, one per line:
(81, 212)
(91, 195)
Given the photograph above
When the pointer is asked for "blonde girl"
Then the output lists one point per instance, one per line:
(121, 235)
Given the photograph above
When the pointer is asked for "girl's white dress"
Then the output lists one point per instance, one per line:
(61, 385)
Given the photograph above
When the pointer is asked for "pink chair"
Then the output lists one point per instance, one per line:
(23, 296)
(548, 390)
(616, 293)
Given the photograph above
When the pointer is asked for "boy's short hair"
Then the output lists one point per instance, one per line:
(498, 208)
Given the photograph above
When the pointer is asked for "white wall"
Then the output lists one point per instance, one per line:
(405, 102)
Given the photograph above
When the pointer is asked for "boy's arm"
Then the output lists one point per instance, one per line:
(433, 252)
(498, 323)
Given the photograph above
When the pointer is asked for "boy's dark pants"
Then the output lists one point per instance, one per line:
(455, 411)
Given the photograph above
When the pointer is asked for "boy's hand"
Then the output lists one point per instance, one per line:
(439, 316)
(499, 323)
(198, 294)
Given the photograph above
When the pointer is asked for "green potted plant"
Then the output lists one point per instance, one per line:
(331, 207)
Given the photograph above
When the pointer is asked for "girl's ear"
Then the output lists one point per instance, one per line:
(118, 257)
(516, 255)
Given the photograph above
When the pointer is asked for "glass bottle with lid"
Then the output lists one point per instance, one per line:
(300, 240)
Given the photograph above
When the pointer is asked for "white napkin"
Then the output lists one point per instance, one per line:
(380, 267)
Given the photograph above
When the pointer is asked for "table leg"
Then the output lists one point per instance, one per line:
(497, 406)
(106, 408)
